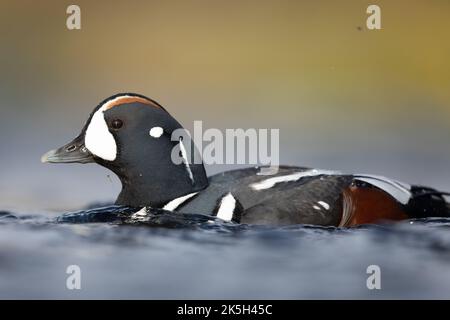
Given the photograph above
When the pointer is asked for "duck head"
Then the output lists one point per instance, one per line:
(131, 135)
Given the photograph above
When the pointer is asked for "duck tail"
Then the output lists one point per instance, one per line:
(428, 202)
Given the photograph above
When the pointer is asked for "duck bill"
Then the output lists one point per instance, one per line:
(73, 152)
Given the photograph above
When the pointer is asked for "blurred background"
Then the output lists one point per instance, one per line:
(344, 97)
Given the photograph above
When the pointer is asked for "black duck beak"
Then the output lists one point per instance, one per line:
(73, 152)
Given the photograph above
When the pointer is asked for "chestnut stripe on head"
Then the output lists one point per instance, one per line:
(126, 99)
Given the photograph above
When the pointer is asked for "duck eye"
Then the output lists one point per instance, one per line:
(117, 124)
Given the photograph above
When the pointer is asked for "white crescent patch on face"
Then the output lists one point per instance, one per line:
(98, 140)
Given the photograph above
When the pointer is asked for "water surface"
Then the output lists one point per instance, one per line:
(192, 256)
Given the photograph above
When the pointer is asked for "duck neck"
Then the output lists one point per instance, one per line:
(155, 187)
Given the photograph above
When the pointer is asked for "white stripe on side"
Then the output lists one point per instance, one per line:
(175, 203)
(227, 206)
(269, 183)
(399, 191)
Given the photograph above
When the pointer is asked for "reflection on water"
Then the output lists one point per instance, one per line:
(192, 256)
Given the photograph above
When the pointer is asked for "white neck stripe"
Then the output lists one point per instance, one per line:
(186, 161)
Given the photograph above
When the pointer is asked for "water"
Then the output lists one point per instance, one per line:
(191, 256)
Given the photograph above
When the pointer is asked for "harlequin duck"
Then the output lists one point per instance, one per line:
(131, 135)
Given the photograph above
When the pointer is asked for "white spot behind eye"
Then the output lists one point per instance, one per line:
(156, 132)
